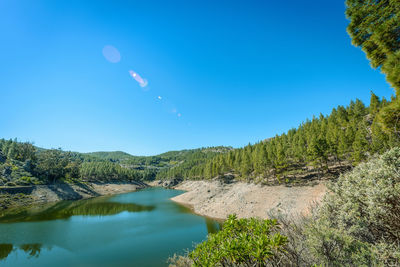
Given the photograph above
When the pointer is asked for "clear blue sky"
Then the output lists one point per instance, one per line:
(228, 72)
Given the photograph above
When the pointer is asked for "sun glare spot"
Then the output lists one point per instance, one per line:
(111, 54)
(142, 82)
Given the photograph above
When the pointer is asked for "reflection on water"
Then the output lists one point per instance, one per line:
(142, 228)
(67, 209)
(5, 249)
(212, 226)
(32, 250)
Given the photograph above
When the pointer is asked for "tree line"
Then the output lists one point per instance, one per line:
(347, 136)
(23, 163)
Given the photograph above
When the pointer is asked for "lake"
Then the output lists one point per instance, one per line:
(141, 228)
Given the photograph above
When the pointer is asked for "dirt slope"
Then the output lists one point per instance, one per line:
(41, 194)
(217, 200)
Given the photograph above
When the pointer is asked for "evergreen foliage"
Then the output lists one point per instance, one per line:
(346, 137)
(24, 164)
(375, 27)
(107, 171)
(184, 164)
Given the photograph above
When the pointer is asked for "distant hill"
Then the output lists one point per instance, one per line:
(111, 156)
(25, 164)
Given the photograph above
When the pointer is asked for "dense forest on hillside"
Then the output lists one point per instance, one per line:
(321, 146)
(21, 163)
(24, 164)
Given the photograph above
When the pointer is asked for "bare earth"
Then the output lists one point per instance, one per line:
(52, 193)
(217, 200)
(41, 194)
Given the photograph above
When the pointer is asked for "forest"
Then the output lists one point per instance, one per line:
(326, 144)
(22, 163)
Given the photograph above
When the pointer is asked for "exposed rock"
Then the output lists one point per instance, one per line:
(217, 199)
(166, 183)
(40, 194)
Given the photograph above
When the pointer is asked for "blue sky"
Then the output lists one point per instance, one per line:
(227, 72)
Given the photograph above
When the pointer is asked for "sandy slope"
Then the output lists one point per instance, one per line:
(217, 200)
(51, 193)
(41, 194)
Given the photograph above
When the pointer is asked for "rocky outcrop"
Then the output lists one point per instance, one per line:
(166, 183)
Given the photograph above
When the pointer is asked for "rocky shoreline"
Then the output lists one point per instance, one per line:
(25, 196)
(217, 199)
(214, 199)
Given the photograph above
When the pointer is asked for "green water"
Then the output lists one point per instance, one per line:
(141, 228)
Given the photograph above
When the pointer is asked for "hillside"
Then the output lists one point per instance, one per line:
(22, 163)
(320, 148)
(115, 156)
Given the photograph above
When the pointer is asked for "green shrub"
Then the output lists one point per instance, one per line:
(358, 222)
(26, 179)
(247, 242)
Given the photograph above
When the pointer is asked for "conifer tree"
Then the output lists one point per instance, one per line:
(374, 26)
(360, 144)
(379, 138)
(374, 104)
(245, 168)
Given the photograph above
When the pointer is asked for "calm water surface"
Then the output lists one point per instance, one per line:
(141, 228)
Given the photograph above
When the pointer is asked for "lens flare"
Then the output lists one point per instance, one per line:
(142, 82)
(111, 54)
(159, 97)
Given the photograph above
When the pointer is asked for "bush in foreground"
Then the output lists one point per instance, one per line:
(242, 242)
(358, 223)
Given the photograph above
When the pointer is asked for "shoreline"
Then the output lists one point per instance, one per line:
(212, 199)
(217, 200)
(13, 198)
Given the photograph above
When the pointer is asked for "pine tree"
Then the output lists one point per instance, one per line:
(374, 104)
(360, 144)
(245, 165)
(379, 138)
(390, 118)
(374, 26)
